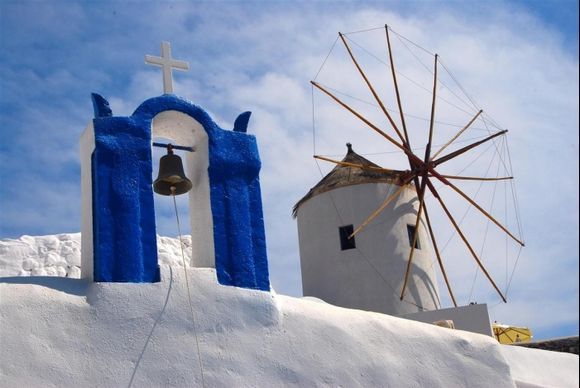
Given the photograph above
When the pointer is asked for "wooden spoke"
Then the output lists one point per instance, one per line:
(437, 175)
(375, 95)
(438, 255)
(460, 151)
(379, 209)
(397, 88)
(485, 213)
(415, 234)
(462, 236)
(432, 120)
(421, 192)
(374, 127)
(457, 135)
(473, 178)
(348, 164)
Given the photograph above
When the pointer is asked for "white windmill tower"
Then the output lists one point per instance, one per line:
(364, 271)
(366, 239)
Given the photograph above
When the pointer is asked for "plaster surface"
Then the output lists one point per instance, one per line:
(535, 367)
(64, 332)
(87, 146)
(473, 318)
(369, 277)
(71, 333)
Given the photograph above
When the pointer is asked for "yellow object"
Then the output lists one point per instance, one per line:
(507, 334)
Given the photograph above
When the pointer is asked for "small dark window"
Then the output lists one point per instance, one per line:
(411, 233)
(345, 242)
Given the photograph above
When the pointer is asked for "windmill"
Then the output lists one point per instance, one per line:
(426, 171)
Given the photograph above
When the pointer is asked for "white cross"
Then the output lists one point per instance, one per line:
(167, 63)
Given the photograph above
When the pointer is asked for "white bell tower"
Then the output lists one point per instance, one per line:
(367, 271)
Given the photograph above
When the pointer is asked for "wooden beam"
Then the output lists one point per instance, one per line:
(456, 226)
(457, 135)
(400, 105)
(485, 213)
(421, 195)
(434, 173)
(473, 178)
(432, 120)
(438, 255)
(380, 208)
(348, 164)
(460, 151)
(375, 95)
(374, 127)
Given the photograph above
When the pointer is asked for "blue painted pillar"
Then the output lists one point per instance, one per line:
(240, 243)
(259, 254)
(125, 245)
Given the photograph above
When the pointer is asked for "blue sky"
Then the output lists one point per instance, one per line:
(518, 59)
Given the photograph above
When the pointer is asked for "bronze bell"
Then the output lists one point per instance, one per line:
(171, 175)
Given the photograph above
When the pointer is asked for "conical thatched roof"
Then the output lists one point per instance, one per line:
(345, 176)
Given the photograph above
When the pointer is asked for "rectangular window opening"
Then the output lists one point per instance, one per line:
(345, 242)
(411, 233)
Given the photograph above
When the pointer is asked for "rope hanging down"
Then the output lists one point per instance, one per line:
(188, 289)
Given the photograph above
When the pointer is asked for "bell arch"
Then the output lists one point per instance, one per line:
(183, 129)
(117, 169)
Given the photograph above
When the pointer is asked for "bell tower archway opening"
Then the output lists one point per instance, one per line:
(177, 128)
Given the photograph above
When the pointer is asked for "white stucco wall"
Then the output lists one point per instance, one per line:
(473, 318)
(87, 146)
(541, 368)
(65, 332)
(371, 276)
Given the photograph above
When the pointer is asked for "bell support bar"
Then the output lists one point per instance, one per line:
(175, 147)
